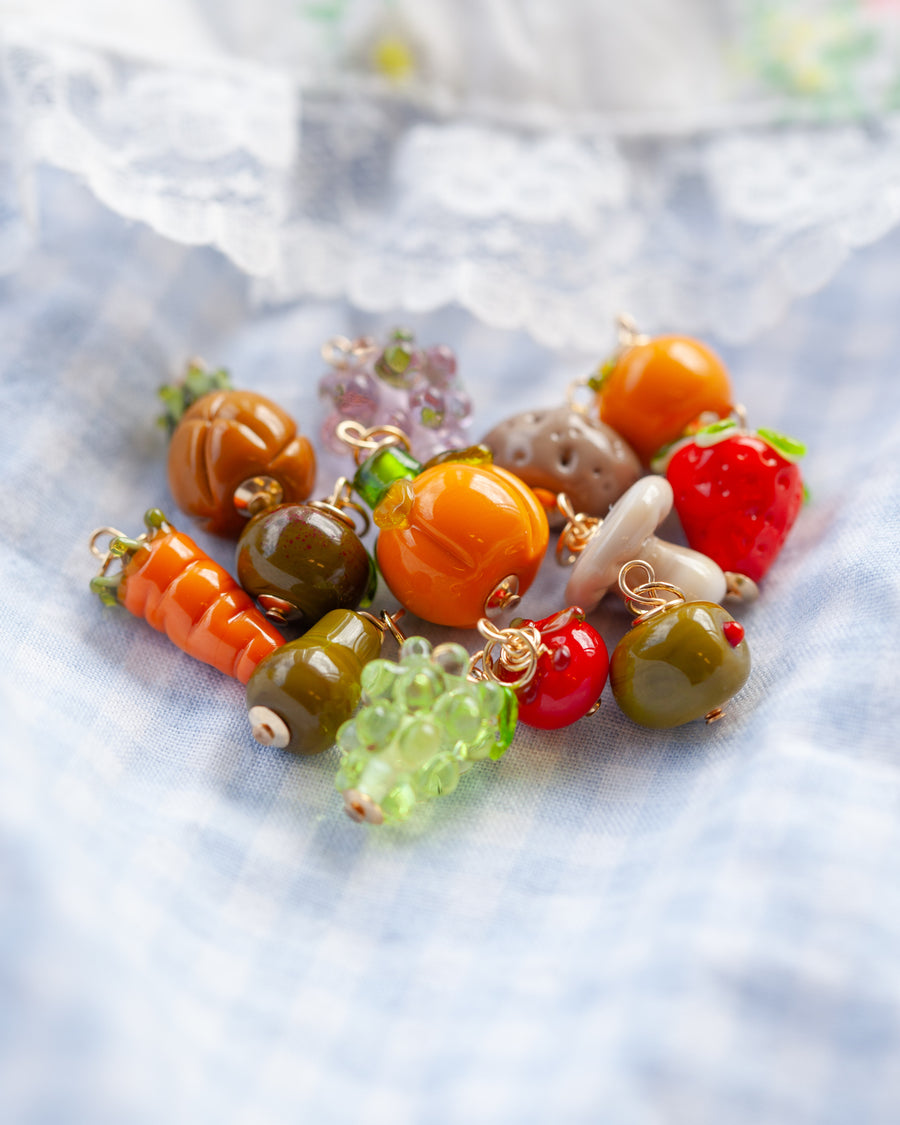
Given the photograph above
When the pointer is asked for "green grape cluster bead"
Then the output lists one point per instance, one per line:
(421, 725)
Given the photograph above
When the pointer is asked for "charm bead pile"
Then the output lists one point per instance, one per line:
(422, 724)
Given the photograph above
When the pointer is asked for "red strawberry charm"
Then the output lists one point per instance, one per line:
(737, 494)
(557, 667)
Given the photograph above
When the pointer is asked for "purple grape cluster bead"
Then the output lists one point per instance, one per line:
(416, 389)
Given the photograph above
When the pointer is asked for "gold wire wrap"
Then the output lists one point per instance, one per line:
(98, 533)
(337, 504)
(339, 350)
(364, 441)
(627, 332)
(386, 623)
(647, 599)
(573, 402)
(576, 534)
(520, 650)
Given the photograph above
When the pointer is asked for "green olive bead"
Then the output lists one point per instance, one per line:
(678, 665)
(305, 557)
(312, 684)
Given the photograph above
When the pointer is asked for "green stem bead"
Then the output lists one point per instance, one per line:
(377, 473)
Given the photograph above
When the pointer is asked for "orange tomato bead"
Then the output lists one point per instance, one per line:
(656, 389)
(454, 534)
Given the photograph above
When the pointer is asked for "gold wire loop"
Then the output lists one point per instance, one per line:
(365, 441)
(98, 533)
(627, 331)
(340, 494)
(110, 556)
(386, 623)
(577, 533)
(338, 503)
(573, 403)
(649, 597)
(519, 652)
(476, 667)
(390, 621)
(342, 352)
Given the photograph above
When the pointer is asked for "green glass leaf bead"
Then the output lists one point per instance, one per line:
(419, 740)
(500, 706)
(788, 447)
(418, 689)
(379, 678)
(439, 777)
(399, 803)
(376, 724)
(377, 473)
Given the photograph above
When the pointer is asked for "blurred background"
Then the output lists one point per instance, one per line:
(613, 924)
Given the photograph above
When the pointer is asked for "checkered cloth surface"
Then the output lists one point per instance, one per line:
(612, 924)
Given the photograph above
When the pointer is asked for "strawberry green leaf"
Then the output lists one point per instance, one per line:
(786, 446)
(718, 427)
(659, 462)
(718, 431)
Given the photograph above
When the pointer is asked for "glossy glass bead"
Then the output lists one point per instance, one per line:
(313, 684)
(679, 664)
(412, 739)
(225, 438)
(307, 558)
(466, 529)
(377, 473)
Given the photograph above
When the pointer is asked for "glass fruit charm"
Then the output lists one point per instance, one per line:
(680, 660)
(422, 724)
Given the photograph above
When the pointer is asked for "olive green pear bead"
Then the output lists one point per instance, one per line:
(679, 664)
(306, 689)
(304, 562)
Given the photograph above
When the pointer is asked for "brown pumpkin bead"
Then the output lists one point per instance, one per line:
(225, 438)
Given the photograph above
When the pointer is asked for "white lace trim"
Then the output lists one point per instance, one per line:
(549, 230)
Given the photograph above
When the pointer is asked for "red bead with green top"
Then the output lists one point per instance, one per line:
(737, 494)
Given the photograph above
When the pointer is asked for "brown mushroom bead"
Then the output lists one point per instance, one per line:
(561, 450)
(226, 438)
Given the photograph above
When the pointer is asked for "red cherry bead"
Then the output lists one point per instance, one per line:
(570, 677)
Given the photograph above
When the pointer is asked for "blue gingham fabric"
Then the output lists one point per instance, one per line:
(610, 925)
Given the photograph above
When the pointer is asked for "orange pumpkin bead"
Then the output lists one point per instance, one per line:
(655, 389)
(453, 534)
(225, 438)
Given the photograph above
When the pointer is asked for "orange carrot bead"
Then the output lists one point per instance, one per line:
(183, 593)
